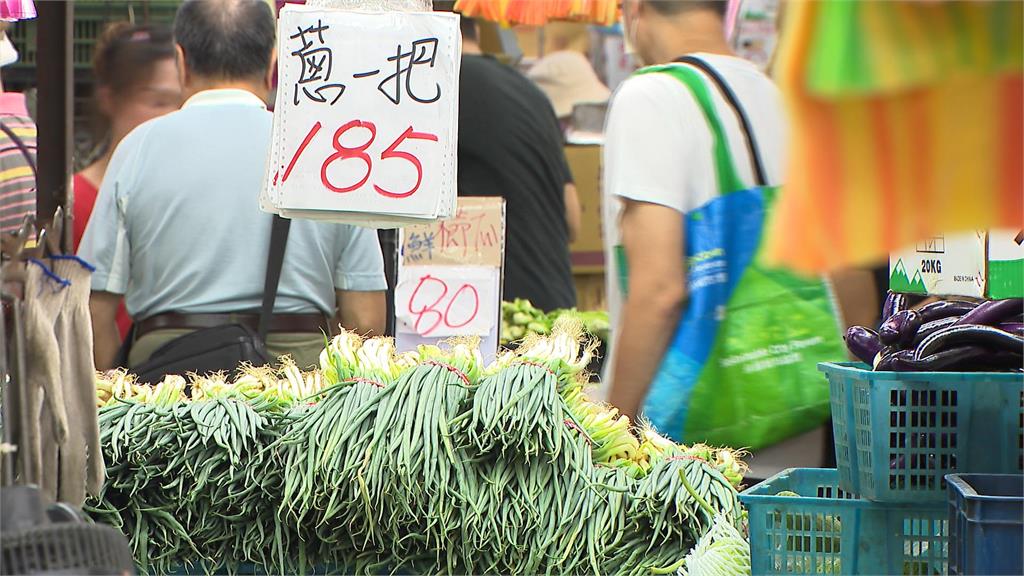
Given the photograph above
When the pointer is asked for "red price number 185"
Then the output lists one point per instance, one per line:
(434, 304)
(342, 153)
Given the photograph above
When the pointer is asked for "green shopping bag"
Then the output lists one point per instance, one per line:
(741, 369)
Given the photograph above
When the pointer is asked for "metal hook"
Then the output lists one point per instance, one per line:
(55, 239)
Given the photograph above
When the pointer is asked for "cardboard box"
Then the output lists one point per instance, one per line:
(587, 252)
(1006, 264)
(590, 291)
(976, 264)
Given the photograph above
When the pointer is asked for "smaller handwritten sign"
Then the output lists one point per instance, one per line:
(474, 236)
(443, 301)
(449, 277)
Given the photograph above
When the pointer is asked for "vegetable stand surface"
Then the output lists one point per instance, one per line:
(425, 462)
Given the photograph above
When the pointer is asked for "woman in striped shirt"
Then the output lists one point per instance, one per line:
(17, 150)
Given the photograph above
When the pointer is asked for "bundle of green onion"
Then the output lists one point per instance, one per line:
(424, 462)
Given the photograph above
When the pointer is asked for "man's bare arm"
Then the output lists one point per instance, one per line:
(362, 312)
(653, 239)
(573, 213)
(106, 339)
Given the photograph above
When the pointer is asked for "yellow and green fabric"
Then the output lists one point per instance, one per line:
(907, 121)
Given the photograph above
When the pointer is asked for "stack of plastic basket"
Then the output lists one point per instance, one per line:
(884, 510)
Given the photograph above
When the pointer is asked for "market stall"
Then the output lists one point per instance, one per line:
(443, 465)
(482, 448)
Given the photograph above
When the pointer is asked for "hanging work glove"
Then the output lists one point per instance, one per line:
(43, 418)
(81, 461)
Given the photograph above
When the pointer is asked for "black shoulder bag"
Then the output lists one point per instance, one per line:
(223, 348)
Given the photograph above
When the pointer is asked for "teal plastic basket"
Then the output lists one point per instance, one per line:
(826, 530)
(897, 434)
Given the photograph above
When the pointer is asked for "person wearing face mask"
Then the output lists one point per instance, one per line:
(663, 167)
(658, 164)
(135, 81)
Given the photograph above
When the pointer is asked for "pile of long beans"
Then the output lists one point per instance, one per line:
(423, 462)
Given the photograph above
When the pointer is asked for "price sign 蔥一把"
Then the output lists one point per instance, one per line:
(366, 116)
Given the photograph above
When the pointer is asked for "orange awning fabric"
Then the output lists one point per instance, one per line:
(907, 120)
(538, 13)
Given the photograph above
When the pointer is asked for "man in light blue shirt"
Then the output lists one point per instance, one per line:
(177, 228)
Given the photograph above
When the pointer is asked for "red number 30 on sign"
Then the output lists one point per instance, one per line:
(342, 153)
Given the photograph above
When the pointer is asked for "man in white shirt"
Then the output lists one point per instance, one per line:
(658, 165)
(177, 227)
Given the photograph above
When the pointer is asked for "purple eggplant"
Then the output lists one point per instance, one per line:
(945, 309)
(994, 362)
(894, 302)
(1016, 328)
(928, 328)
(863, 343)
(993, 312)
(960, 358)
(890, 296)
(969, 335)
(888, 362)
(880, 358)
(900, 328)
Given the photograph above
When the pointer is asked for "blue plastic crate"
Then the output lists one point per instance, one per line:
(826, 530)
(897, 434)
(986, 523)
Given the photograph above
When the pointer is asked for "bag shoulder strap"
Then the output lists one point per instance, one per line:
(275, 261)
(725, 168)
(741, 115)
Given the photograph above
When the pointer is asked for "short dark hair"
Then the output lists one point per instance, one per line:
(228, 39)
(674, 7)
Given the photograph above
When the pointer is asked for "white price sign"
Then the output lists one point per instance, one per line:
(366, 117)
(442, 301)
